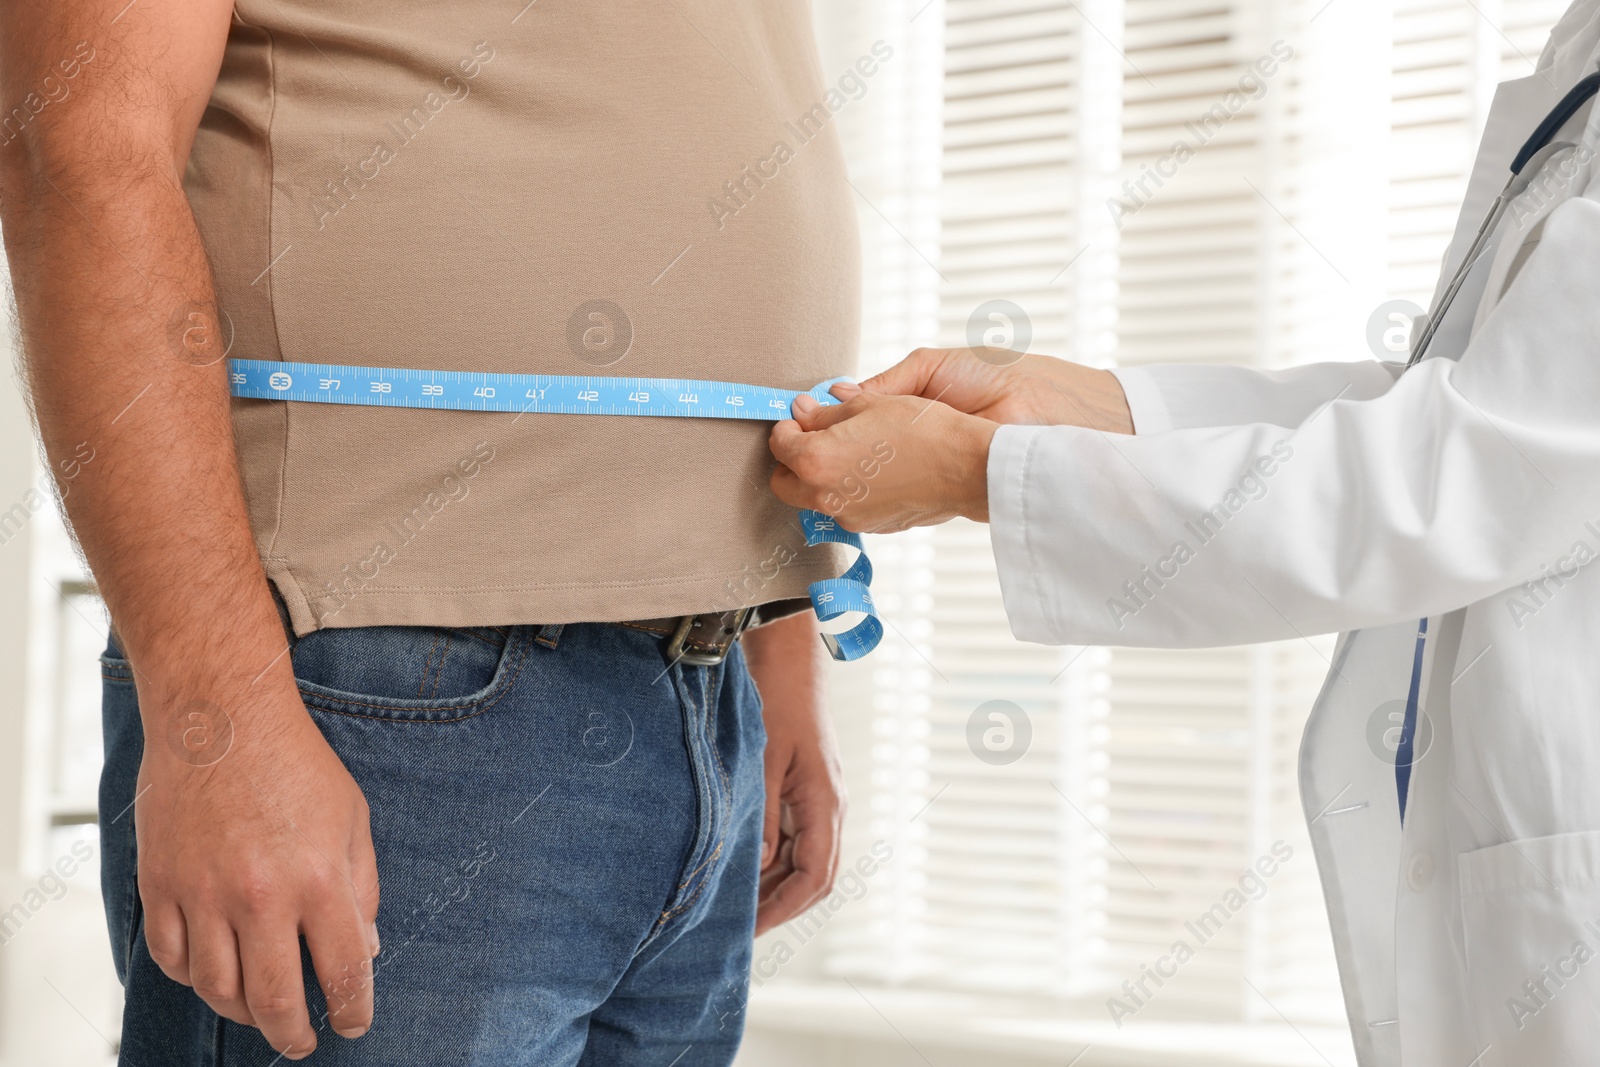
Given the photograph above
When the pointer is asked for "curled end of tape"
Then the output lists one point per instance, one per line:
(850, 593)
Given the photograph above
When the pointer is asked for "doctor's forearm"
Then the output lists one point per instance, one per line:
(1463, 480)
(1182, 396)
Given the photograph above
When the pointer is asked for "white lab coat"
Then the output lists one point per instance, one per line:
(1349, 497)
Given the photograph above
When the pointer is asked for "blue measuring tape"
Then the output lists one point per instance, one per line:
(393, 387)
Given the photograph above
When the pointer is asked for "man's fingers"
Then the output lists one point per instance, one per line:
(783, 902)
(341, 953)
(364, 876)
(775, 767)
(793, 895)
(274, 986)
(779, 869)
(343, 945)
(815, 859)
(816, 848)
(214, 969)
(166, 935)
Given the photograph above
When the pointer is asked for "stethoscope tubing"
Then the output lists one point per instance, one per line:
(1539, 146)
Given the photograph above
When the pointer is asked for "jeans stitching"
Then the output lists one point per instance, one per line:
(219, 1051)
(481, 705)
(476, 633)
(713, 706)
(438, 671)
(693, 720)
(710, 859)
(135, 912)
(703, 865)
(672, 913)
(726, 805)
(427, 665)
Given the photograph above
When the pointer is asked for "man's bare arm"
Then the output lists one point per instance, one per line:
(805, 782)
(237, 856)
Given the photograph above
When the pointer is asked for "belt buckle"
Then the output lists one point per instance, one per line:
(678, 650)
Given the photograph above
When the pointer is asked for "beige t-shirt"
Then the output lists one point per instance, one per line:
(651, 188)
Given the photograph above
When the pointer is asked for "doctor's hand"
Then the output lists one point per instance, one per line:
(883, 463)
(996, 384)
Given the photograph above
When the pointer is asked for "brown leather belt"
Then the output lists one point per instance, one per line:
(698, 640)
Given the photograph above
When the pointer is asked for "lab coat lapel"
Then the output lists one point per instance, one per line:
(1518, 105)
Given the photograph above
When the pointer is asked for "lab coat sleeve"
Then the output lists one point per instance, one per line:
(1178, 396)
(1459, 481)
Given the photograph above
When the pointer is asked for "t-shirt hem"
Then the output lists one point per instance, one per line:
(517, 604)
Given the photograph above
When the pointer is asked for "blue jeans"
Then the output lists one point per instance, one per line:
(568, 834)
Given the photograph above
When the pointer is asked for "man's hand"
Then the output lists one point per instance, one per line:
(998, 385)
(805, 786)
(239, 857)
(883, 463)
(125, 361)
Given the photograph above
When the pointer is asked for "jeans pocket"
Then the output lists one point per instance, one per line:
(408, 673)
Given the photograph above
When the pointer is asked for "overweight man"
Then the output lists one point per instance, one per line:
(1443, 516)
(436, 726)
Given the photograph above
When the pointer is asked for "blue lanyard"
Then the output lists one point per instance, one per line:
(1403, 753)
(330, 383)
